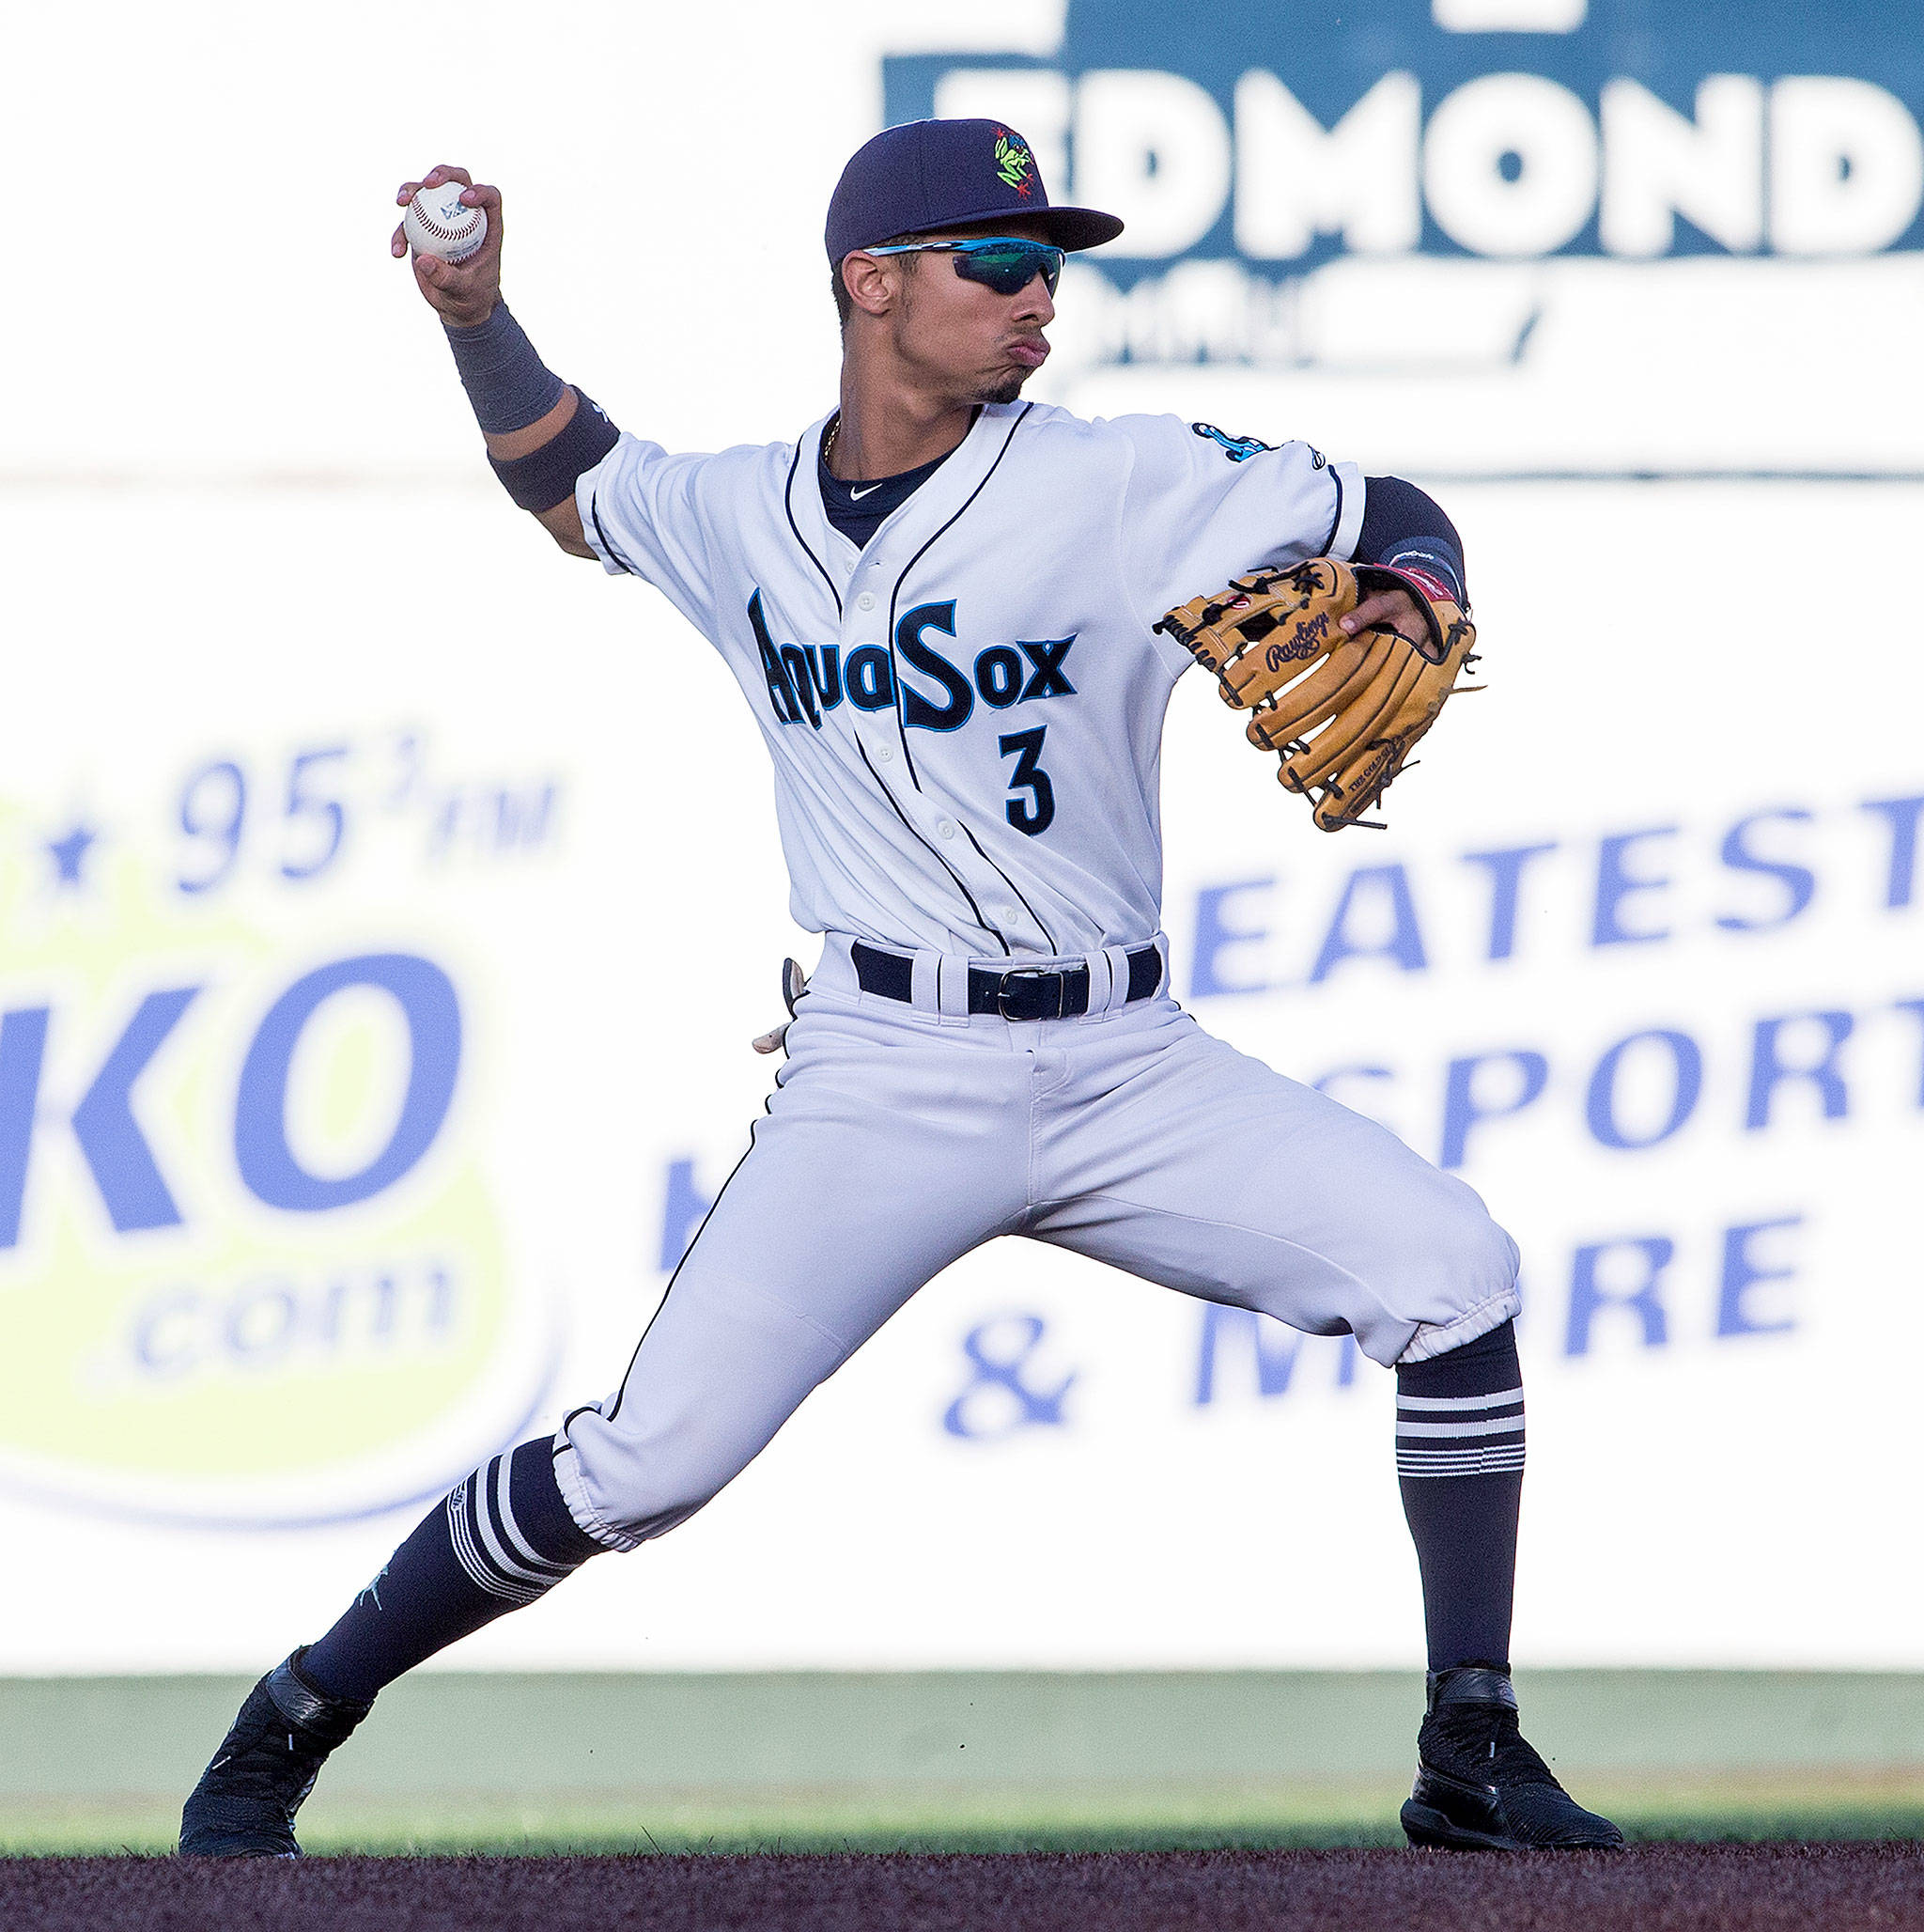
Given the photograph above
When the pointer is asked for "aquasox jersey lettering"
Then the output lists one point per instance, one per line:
(966, 715)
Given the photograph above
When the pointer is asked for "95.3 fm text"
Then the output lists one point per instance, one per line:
(302, 818)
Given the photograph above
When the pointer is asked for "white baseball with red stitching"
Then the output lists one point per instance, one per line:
(437, 223)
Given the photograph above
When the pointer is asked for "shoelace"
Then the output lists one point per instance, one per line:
(1486, 1737)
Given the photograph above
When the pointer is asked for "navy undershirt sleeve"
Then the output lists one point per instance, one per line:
(1404, 524)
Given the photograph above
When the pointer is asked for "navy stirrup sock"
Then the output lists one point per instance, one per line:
(1459, 1464)
(501, 1538)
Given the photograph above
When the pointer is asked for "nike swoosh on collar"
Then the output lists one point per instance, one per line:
(857, 495)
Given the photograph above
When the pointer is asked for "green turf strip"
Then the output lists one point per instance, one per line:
(968, 1761)
(1090, 1819)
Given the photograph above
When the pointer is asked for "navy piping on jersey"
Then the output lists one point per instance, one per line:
(595, 516)
(902, 577)
(1336, 523)
(788, 510)
(1011, 884)
(896, 675)
(896, 672)
(961, 884)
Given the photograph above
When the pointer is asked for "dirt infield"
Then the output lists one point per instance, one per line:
(1669, 1888)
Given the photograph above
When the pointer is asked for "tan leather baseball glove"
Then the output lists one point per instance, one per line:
(1344, 711)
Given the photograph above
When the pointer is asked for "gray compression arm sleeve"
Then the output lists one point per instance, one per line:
(507, 383)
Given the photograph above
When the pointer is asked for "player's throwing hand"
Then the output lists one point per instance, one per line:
(462, 294)
(1395, 608)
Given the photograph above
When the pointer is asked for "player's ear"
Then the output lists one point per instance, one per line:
(872, 283)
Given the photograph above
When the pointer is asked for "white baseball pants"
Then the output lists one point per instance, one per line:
(900, 1137)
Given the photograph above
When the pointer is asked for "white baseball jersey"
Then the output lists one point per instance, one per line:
(965, 716)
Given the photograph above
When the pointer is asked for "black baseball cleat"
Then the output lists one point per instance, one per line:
(1479, 1787)
(244, 1804)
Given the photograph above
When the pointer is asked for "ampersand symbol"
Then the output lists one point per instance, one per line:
(996, 1400)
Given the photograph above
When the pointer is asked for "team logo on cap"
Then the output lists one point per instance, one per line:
(1014, 162)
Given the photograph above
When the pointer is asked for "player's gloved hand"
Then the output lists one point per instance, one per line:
(1341, 668)
(462, 294)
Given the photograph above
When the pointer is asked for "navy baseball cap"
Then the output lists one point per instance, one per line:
(925, 175)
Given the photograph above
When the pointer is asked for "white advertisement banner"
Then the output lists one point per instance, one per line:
(387, 904)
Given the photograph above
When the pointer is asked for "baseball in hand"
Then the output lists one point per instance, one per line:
(436, 223)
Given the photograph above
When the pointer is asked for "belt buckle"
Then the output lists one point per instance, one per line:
(1040, 978)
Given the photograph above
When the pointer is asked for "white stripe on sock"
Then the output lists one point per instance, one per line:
(503, 1558)
(1468, 1463)
(480, 1572)
(511, 1530)
(1459, 1401)
(1490, 1426)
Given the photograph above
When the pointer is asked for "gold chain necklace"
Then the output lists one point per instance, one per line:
(829, 441)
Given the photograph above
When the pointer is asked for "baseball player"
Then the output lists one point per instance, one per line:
(941, 601)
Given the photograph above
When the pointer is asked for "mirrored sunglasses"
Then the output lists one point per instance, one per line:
(1006, 263)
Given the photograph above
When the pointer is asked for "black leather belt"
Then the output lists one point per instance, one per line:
(1024, 992)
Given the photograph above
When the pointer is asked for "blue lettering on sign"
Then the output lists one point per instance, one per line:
(1799, 882)
(683, 1207)
(110, 1137)
(1685, 1059)
(182, 1332)
(1467, 1098)
(1221, 926)
(1743, 1271)
(1773, 1065)
(998, 1399)
(116, 1148)
(1267, 137)
(1638, 1263)
(1916, 1009)
(1900, 876)
(1379, 897)
(1617, 883)
(1269, 1348)
(267, 1163)
(22, 1046)
(1505, 867)
(1267, 1352)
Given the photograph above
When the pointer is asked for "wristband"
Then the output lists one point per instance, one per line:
(508, 385)
(1404, 526)
(1433, 566)
(546, 478)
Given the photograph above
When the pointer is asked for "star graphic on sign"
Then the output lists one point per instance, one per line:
(69, 853)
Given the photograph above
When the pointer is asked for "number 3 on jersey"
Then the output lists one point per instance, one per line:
(1031, 815)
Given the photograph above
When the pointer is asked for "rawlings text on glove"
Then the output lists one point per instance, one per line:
(1344, 711)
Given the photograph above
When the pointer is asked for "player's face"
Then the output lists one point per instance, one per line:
(962, 338)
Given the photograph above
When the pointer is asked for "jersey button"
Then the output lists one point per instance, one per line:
(883, 754)
(945, 828)
(866, 601)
